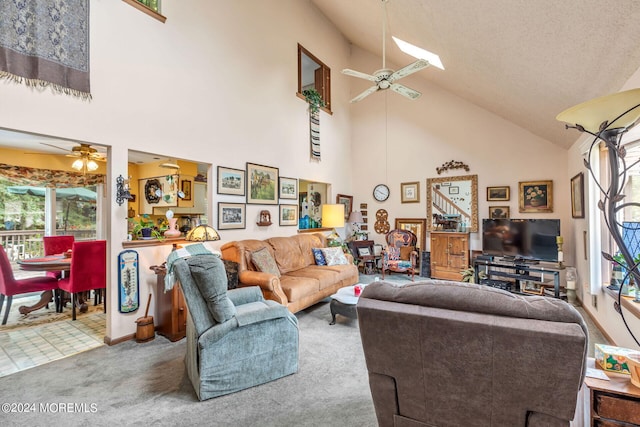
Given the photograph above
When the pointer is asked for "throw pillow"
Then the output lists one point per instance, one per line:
(334, 256)
(394, 253)
(319, 257)
(264, 262)
(208, 273)
(405, 252)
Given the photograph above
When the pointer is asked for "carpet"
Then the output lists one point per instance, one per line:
(42, 316)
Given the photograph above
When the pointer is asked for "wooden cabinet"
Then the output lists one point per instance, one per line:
(615, 402)
(171, 309)
(449, 254)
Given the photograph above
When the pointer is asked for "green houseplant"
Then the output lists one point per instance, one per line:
(143, 227)
(314, 99)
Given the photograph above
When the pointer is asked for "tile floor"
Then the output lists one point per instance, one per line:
(36, 345)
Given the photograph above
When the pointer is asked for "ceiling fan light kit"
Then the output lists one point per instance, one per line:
(386, 78)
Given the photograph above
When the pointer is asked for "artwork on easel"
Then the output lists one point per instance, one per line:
(128, 282)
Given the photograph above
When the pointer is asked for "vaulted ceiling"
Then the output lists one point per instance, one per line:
(524, 60)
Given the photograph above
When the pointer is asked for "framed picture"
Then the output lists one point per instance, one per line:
(577, 196)
(363, 251)
(347, 201)
(288, 188)
(498, 194)
(499, 212)
(185, 186)
(288, 214)
(262, 182)
(231, 216)
(128, 281)
(417, 226)
(536, 196)
(454, 189)
(410, 192)
(231, 181)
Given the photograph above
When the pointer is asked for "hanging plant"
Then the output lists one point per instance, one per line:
(314, 99)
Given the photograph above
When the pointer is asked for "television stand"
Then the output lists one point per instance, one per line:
(520, 277)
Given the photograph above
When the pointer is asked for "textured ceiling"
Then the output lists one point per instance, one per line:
(524, 60)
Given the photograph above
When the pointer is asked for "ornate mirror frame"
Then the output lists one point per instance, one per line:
(467, 188)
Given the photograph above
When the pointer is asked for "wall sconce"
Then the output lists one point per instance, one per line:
(122, 190)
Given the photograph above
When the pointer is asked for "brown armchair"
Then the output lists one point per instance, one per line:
(400, 255)
(457, 354)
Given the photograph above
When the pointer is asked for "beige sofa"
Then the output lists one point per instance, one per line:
(302, 283)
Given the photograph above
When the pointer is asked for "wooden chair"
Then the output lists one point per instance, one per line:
(400, 255)
(10, 286)
(88, 270)
(368, 261)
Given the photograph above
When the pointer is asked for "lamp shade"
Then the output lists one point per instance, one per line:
(355, 217)
(591, 114)
(202, 233)
(333, 216)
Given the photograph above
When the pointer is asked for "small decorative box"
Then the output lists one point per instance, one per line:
(613, 359)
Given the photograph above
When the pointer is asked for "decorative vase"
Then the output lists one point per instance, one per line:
(173, 228)
(536, 202)
(146, 233)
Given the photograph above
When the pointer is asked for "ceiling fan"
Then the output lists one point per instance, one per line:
(386, 78)
(86, 156)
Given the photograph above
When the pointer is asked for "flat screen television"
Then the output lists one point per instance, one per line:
(531, 239)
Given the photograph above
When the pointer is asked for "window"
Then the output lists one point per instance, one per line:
(313, 74)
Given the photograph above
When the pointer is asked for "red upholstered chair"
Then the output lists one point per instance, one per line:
(88, 270)
(54, 245)
(400, 255)
(10, 286)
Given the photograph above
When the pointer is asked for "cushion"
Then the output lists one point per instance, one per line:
(405, 252)
(264, 262)
(334, 256)
(318, 256)
(394, 253)
(209, 274)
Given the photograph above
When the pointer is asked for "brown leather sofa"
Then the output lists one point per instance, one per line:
(302, 283)
(443, 353)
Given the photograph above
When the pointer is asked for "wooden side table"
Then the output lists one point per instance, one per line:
(172, 310)
(613, 403)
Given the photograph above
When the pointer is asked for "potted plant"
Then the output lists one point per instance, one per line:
(143, 227)
(469, 273)
(314, 99)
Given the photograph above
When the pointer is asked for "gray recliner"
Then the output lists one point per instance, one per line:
(443, 353)
(235, 339)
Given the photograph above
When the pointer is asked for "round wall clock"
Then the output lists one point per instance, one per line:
(381, 192)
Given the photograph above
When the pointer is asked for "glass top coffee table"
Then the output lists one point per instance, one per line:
(344, 302)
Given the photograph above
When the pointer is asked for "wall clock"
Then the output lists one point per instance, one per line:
(381, 192)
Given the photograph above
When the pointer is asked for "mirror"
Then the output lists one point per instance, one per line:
(453, 196)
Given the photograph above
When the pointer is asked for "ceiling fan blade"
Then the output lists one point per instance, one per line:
(365, 94)
(405, 91)
(358, 74)
(55, 146)
(409, 69)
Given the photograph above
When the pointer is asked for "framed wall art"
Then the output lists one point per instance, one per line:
(288, 188)
(262, 184)
(288, 215)
(577, 196)
(417, 226)
(231, 216)
(410, 192)
(347, 201)
(128, 282)
(498, 194)
(499, 212)
(231, 181)
(536, 196)
(185, 187)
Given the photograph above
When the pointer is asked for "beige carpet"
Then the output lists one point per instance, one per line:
(41, 316)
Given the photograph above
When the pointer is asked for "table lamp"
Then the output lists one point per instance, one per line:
(202, 233)
(332, 217)
(355, 218)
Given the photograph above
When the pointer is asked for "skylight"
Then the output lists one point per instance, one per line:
(418, 52)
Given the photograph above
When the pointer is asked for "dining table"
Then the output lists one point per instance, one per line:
(59, 262)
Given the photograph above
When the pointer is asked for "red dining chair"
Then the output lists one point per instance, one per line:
(88, 270)
(10, 286)
(54, 245)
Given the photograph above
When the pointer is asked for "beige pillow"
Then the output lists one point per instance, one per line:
(264, 262)
(405, 252)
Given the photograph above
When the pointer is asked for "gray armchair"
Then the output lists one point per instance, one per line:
(443, 353)
(235, 339)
